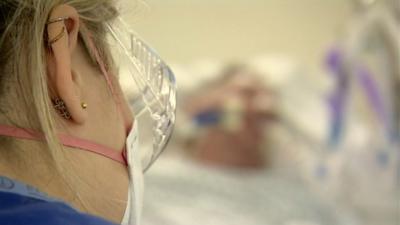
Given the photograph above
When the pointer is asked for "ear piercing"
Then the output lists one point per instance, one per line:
(58, 103)
(84, 105)
(62, 109)
(57, 38)
(61, 34)
(56, 20)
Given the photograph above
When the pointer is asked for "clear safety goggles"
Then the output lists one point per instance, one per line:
(149, 87)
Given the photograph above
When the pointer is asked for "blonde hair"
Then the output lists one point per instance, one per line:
(24, 93)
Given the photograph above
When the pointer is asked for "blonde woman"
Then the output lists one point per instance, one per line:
(63, 122)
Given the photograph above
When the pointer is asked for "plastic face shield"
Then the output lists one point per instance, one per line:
(149, 87)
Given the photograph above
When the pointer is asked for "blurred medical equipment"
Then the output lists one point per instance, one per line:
(340, 129)
(347, 141)
(360, 166)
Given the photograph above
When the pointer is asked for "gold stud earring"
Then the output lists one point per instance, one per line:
(84, 105)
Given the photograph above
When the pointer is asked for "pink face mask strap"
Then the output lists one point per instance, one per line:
(67, 140)
(19, 133)
(93, 147)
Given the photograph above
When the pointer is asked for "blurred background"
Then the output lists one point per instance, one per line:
(288, 111)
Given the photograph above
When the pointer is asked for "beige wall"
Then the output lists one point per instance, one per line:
(187, 30)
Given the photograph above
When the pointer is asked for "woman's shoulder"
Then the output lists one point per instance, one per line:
(22, 204)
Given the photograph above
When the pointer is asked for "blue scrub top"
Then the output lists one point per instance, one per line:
(21, 204)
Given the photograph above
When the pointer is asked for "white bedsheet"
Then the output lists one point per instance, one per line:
(180, 192)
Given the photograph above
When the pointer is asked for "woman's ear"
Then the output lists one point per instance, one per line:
(62, 33)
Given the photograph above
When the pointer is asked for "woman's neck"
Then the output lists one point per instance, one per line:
(89, 182)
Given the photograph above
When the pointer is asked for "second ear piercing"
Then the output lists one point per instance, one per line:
(84, 105)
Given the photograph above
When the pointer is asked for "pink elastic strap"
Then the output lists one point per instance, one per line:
(66, 140)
